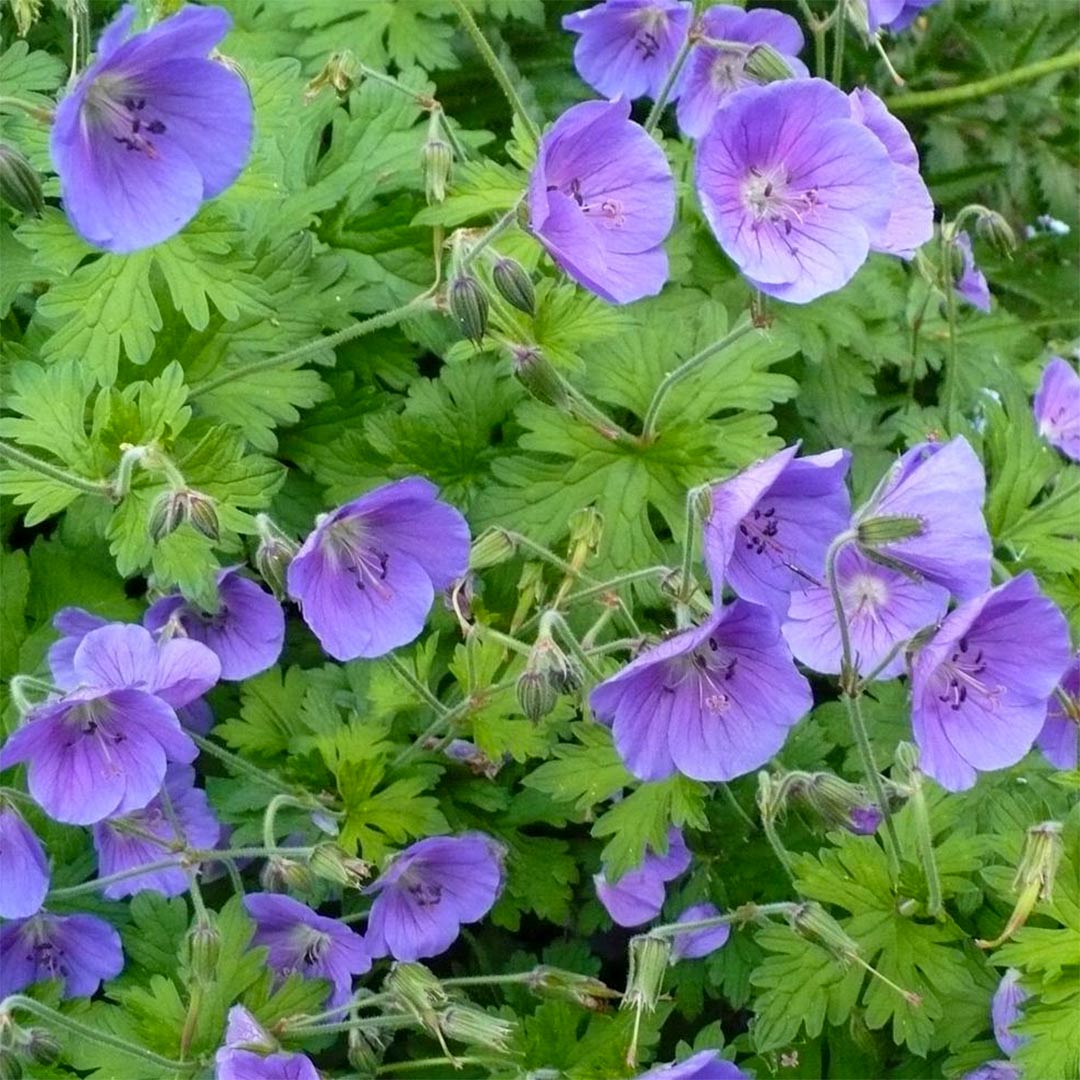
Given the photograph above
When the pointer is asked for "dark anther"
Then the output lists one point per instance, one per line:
(713, 644)
(156, 127)
(768, 190)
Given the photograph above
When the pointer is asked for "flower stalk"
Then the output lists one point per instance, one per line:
(29, 461)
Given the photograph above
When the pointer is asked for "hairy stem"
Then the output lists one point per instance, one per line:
(839, 41)
(924, 838)
(54, 472)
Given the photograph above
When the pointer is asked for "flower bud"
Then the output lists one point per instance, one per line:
(490, 548)
(583, 990)
(10, 1066)
(842, 805)
(273, 555)
(437, 163)
(514, 285)
(649, 956)
(469, 306)
(535, 694)
(173, 508)
(333, 863)
(20, 184)
(42, 1046)
(888, 529)
(166, 516)
(204, 949)
(994, 229)
(363, 1055)
(765, 65)
(202, 515)
(415, 990)
(536, 374)
(468, 1024)
(285, 875)
(813, 922)
(338, 73)
(472, 756)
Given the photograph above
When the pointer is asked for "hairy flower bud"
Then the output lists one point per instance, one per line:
(765, 65)
(286, 875)
(514, 285)
(649, 958)
(813, 922)
(437, 163)
(333, 863)
(888, 529)
(415, 990)
(469, 306)
(535, 694)
(273, 555)
(10, 1066)
(204, 949)
(994, 229)
(42, 1046)
(364, 1055)
(841, 804)
(173, 508)
(468, 1024)
(583, 990)
(20, 184)
(490, 548)
(534, 371)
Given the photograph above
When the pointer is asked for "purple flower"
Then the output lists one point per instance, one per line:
(864, 820)
(150, 130)
(102, 749)
(706, 1065)
(246, 633)
(121, 842)
(244, 1057)
(911, 214)
(366, 577)
(994, 1070)
(971, 281)
(74, 624)
(602, 200)
(627, 47)
(1057, 407)
(980, 687)
(713, 702)
(79, 950)
(1057, 740)
(713, 74)
(429, 890)
(794, 188)
(310, 944)
(894, 15)
(24, 870)
(769, 526)
(940, 488)
(638, 895)
(695, 944)
(1005, 1010)
(883, 607)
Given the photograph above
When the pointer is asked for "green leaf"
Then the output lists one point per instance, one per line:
(270, 706)
(541, 874)
(587, 772)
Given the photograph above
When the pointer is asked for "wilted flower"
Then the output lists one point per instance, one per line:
(602, 200)
(102, 748)
(706, 1065)
(310, 944)
(970, 282)
(1058, 737)
(79, 950)
(769, 526)
(24, 870)
(794, 188)
(122, 843)
(638, 895)
(1057, 407)
(883, 608)
(246, 633)
(695, 944)
(429, 890)
(150, 130)
(713, 702)
(911, 213)
(713, 73)
(980, 686)
(245, 1054)
(1005, 1010)
(894, 15)
(367, 575)
(937, 489)
(627, 47)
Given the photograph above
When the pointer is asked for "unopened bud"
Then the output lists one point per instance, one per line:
(20, 184)
(535, 694)
(468, 1024)
(333, 863)
(534, 371)
(273, 555)
(338, 73)
(285, 875)
(994, 229)
(649, 957)
(202, 515)
(888, 529)
(173, 508)
(514, 285)
(841, 804)
(10, 1066)
(415, 990)
(469, 306)
(765, 65)
(363, 1055)
(813, 922)
(586, 527)
(437, 163)
(584, 990)
(489, 549)
(204, 949)
(42, 1046)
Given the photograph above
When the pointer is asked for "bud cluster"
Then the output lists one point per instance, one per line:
(179, 506)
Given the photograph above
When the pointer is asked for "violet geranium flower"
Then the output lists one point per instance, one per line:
(246, 633)
(250, 1053)
(602, 200)
(695, 944)
(994, 1070)
(1057, 407)
(429, 890)
(714, 702)
(1058, 738)
(1005, 1009)
(103, 747)
(74, 623)
(894, 15)
(980, 686)
(365, 579)
(793, 187)
(713, 73)
(936, 489)
(970, 283)
(79, 950)
(638, 895)
(911, 213)
(310, 944)
(24, 870)
(769, 526)
(122, 843)
(627, 47)
(706, 1065)
(150, 130)
(883, 607)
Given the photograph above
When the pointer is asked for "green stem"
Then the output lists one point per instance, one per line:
(817, 28)
(840, 40)
(953, 95)
(924, 838)
(521, 540)
(253, 772)
(781, 852)
(92, 1034)
(461, 151)
(424, 101)
(555, 620)
(329, 341)
(371, 1023)
(54, 472)
(402, 671)
(517, 978)
(496, 68)
(500, 226)
(427, 1063)
(669, 82)
(891, 655)
(272, 807)
(673, 378)
(595, 417)
(743, 914)
(951, 389)
(751, 824)
(318, 1018)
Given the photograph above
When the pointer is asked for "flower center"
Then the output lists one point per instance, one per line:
(365, 563)
(114, 105)
(607, 212)
(865, 595)
(646, 42)
(710, 667)
(766, 194)
(425, 893)
(959, 676)
(726, 70)
(44, 953)
(313, 945)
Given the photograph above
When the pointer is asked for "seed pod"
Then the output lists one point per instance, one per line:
(204, 949)
(468, 1024)
(649, 958)
(20, 184)
(514, 285)
(993, 228)
(333, 863)
(469, 306)
(536, 374)
(437, 163)
(765, 65)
